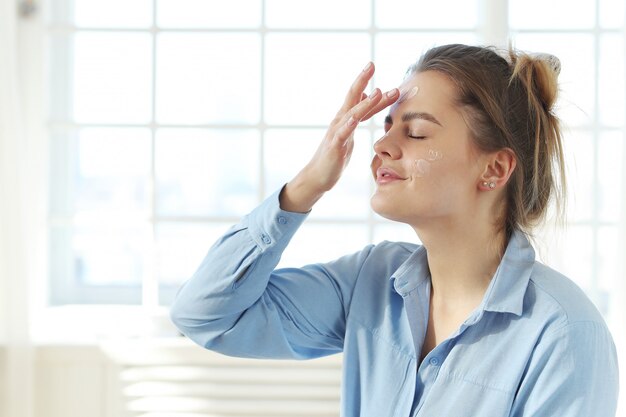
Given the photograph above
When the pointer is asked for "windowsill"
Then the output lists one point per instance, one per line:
(88, 324)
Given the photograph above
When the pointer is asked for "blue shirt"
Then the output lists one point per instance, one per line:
(536, 346)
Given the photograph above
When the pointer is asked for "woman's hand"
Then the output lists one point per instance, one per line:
(333, 154)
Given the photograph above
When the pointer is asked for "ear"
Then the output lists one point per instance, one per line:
(498, 169)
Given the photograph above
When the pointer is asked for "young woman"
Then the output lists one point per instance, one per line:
(467, 324)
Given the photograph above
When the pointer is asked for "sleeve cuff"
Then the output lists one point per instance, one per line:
(272, 227)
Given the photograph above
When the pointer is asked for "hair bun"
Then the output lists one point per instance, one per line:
(550, 59)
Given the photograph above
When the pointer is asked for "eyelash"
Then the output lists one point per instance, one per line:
(408, 134)
(416, 137)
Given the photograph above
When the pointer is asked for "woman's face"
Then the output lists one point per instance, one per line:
(426, 166)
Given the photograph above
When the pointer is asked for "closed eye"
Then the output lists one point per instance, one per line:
(417, 137)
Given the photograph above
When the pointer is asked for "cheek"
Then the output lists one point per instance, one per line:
(425, 163)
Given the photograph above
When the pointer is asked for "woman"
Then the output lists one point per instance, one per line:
(467, 324)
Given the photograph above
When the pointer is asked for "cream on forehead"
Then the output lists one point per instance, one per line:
(407, 93)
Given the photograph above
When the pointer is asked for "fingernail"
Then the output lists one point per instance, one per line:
(367, 67)
(392, 93)
(374, 93)
(351, 121)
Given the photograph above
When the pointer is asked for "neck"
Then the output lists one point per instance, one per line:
(462, 258)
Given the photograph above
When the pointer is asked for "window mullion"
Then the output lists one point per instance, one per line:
(150, 283)
(494, 22)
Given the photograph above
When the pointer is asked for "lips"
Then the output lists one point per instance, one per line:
(387, 175)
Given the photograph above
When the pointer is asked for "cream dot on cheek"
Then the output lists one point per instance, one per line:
(422, 168)
(434, 155)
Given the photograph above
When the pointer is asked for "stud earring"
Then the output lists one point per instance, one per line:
(490, 184)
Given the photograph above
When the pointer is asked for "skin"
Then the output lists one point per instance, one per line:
(450, 209)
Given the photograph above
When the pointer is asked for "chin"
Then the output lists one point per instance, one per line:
(385, 208)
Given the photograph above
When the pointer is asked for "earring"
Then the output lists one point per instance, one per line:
(490, 184)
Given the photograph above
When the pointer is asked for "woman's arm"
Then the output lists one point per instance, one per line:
(237, 304)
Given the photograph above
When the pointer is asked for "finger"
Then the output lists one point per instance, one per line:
(387, 100)
(345, 131)
(355, 93)
(364, 107)
(340, 116)
(351, 119)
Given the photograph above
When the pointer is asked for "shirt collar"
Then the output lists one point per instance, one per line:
(508, 286)
(506, 290)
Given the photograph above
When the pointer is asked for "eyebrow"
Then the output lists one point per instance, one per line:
(406, 117)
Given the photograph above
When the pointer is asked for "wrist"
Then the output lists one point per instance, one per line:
(299, 196)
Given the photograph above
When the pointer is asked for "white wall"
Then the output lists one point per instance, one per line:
(70, 381)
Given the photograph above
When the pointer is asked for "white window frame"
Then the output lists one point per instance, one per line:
(493, 30)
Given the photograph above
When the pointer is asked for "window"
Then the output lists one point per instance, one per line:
(169, 120)
(590, 45)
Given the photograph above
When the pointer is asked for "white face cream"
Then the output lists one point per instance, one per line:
(434, 155)
(407, 93)
(421, 167)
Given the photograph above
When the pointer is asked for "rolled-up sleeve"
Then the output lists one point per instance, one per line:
(573, 372)
(238, 304)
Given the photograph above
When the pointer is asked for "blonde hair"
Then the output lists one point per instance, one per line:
(508, 103)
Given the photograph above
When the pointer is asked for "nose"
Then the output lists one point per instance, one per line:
(386, 148)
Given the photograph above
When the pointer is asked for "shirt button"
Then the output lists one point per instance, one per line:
(434, 361)
(266, 239)
(282, 220)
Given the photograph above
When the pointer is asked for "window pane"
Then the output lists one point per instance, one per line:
(113, 13)
(209, 13)
(208, 78)
(114, 168)
(206, 172)
(610, 167)
(308, 75)
(97, 264)
(577, 79)
(180, 249)
(425, 14)
(611, 13)
(608, 265)
(288, 150)
(315, 243)
(578, 150)
(101, 172)
(102, 262)
(112, 77)
(611, 80)
(570, 252)
(304, 15)
(105, 254)
(553, 14)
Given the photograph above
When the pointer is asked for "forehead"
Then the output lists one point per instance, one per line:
(434, 90)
